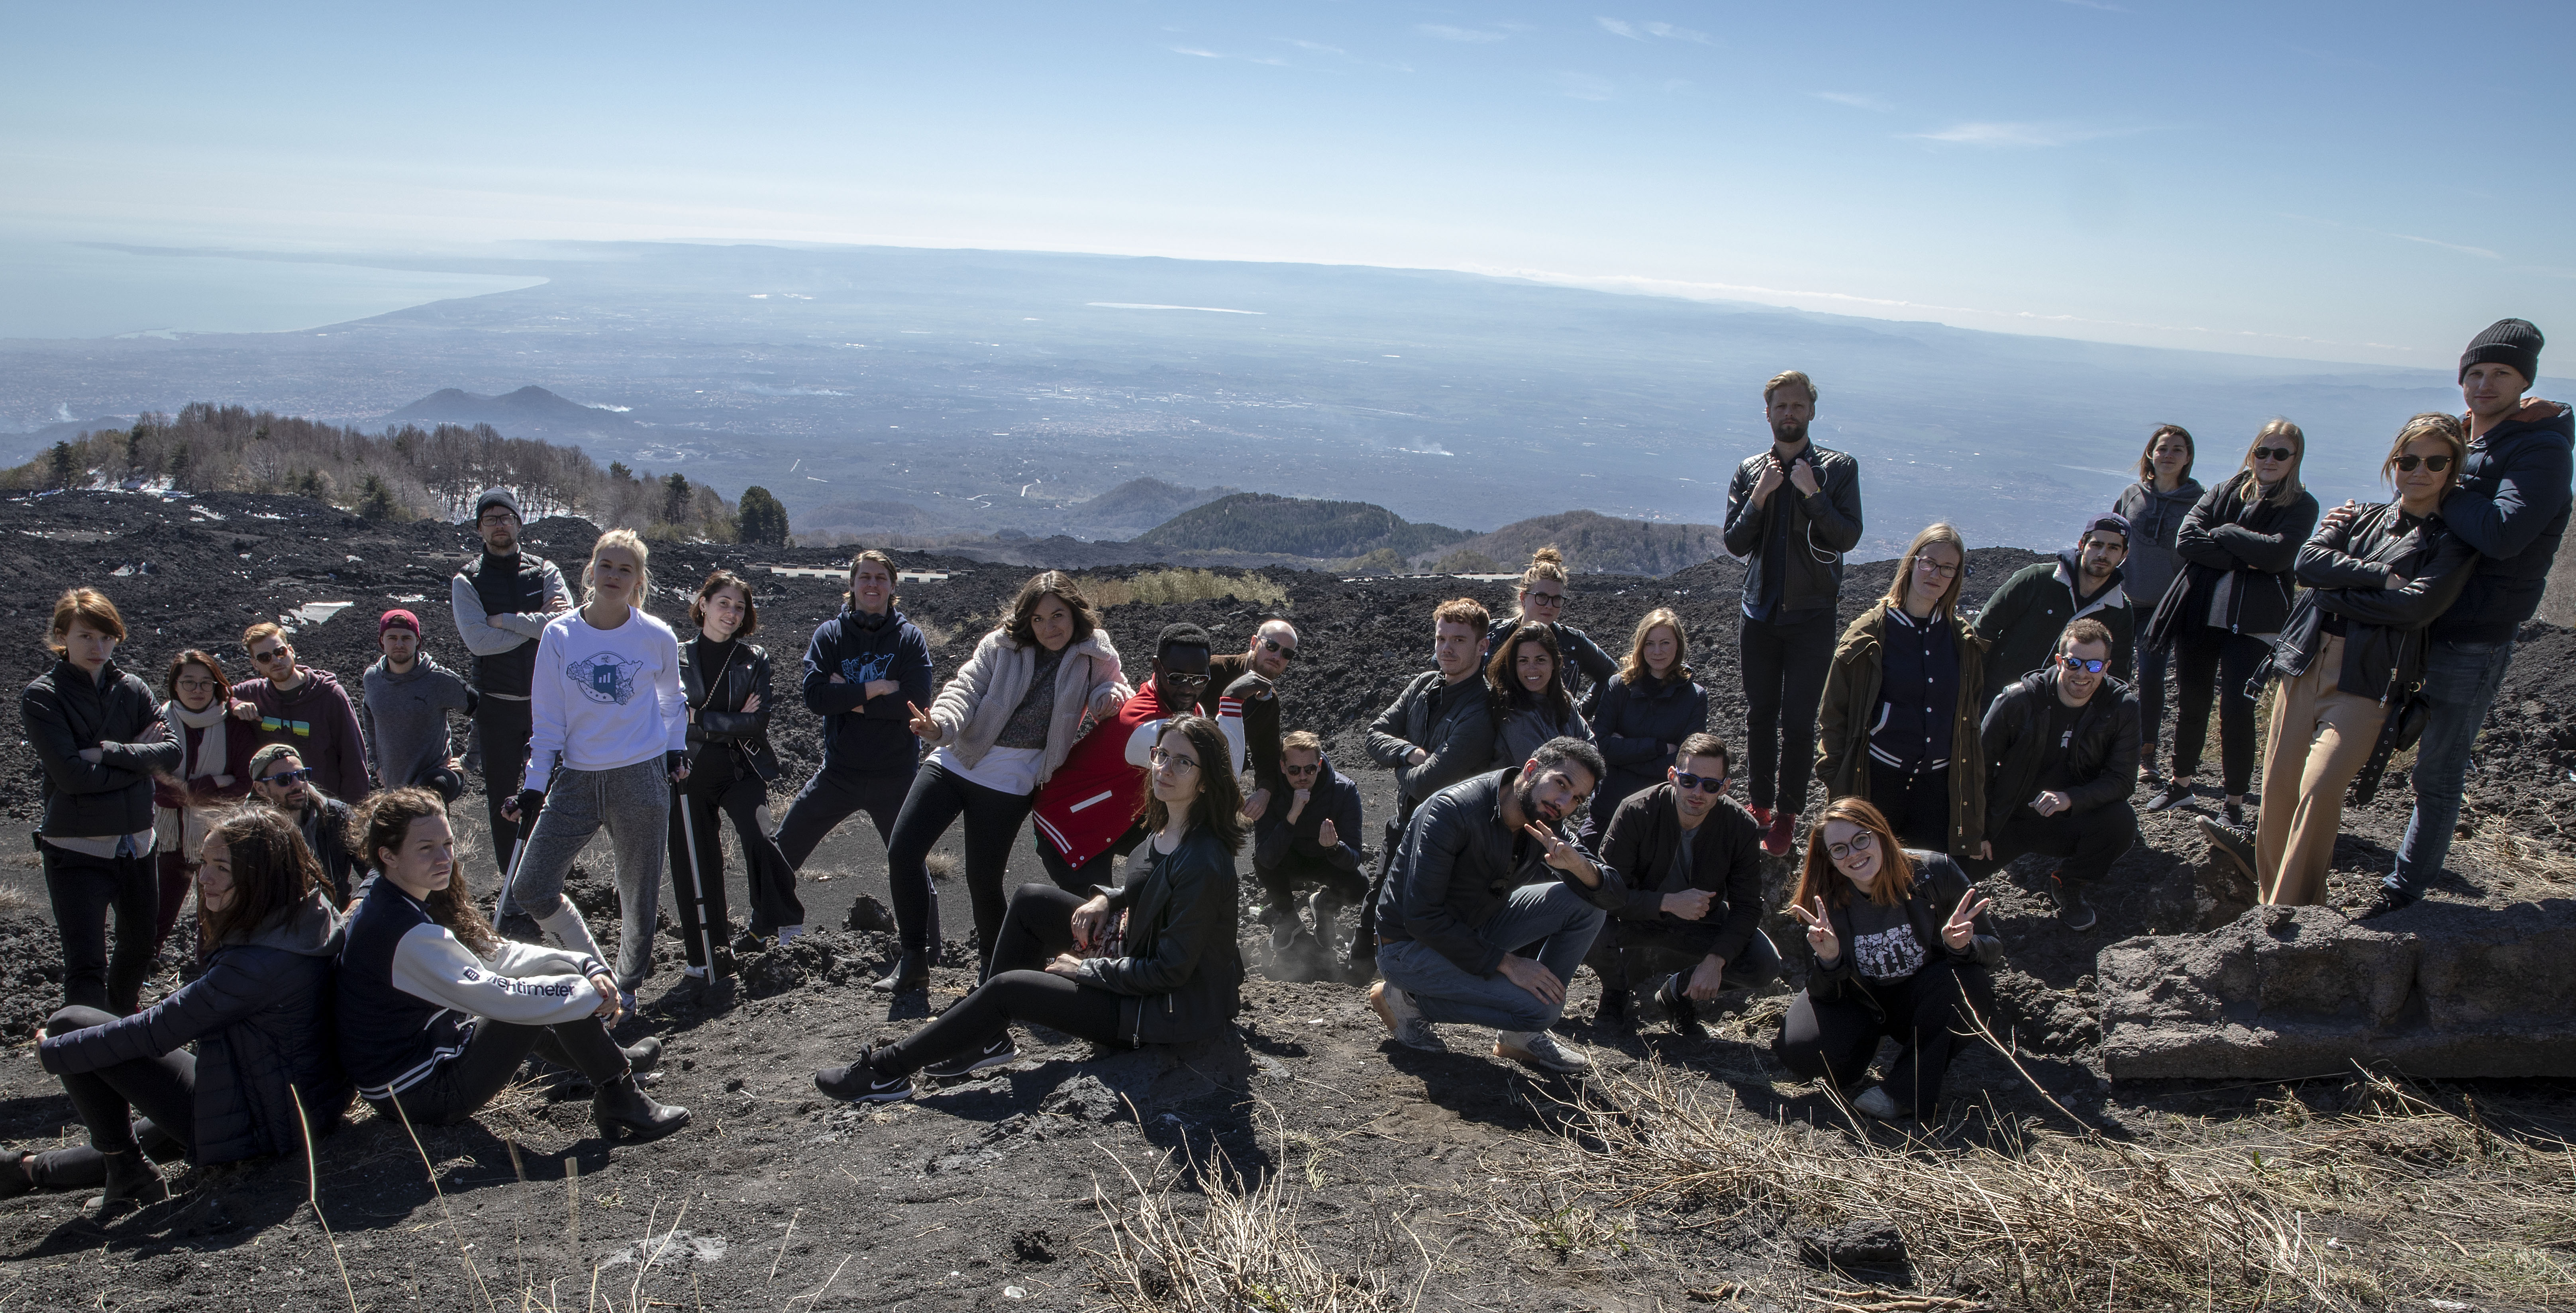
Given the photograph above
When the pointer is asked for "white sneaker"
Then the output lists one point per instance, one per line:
(1877, 1106)
(1539, 1049)
(1410, 1027)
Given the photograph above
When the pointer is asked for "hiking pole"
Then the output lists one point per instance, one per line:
(518, 854)
(697, 880)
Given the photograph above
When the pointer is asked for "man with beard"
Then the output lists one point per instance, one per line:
(1794, 542)
(408, 697)
(278, 777)
(304, 708)
(1486, 870)
(1691, 859)
(2061, 760)
(502, 602)
(1436, 733)
(2026, 614)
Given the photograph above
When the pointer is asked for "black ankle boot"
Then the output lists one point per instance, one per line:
(911, 971)
(132, 1181)
(1679, 1012)
(1611, 1014)
(643, 1055)
(622, 1108)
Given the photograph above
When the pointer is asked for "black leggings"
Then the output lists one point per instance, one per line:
(460, 1086)
(84, 889)
(2154, 663)
(993, 822)
(1917, 805)
(1016, 988)
(698, 810)
(1784, 678)
(1835, 1038)
(162, 1088)
(2210, 658)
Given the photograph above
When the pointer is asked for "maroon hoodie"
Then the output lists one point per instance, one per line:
(319, 722)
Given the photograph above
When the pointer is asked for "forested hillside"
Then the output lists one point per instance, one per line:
(1298, 526)
(1592, 542)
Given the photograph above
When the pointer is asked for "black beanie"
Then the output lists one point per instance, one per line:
(2506, 342)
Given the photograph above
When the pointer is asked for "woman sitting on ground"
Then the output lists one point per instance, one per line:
(1902, 959)
(266, 935)
(1644, 713)
(214, 768)
(1178, 976)
(436, 1012)
(1530, 703)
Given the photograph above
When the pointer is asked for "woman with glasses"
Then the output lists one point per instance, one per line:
(1901, 949)
(2155, 506)
(1153, 962)
(1898, 723)
(1530, 704)
(291, 703)
(214, 767)
(2352, 649)
(1644, 712)
(2230, 600)
(1542, 598)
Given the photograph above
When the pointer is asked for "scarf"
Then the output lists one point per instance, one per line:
(181, 829)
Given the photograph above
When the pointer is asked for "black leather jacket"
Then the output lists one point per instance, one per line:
(1726, 860)
(1821, 527)
(1182, 977)
(1461, 744)
(1938, 886)
(2246, 548)
(1457, 867)
(2346, 571)
(720, 720)
(2016, 744)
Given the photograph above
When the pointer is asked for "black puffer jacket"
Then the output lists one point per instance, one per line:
(66, 712)
(260, 1016)
(2245, 550)
(2015, 739)
(1182, 975)
(1585, 664)
(1457, 866)
(2511, 508)
(1635, 726)
(2346, 571)
(720, 720)
(1939, 884)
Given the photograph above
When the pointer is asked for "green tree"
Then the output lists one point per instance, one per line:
(180, 464)
(1464, 561)
(134, 447)
(761, 519)
(62, 466)
(1384, 560)
(675, 499)
(376, 501)
(617, 470)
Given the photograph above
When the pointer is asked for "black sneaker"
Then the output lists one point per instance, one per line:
(997, 1052)
(2232, 843)
(1679, 1012)
(859, 1082)
(2235, 813)
(2174, 794)
(2385, 900)
(2072, 910)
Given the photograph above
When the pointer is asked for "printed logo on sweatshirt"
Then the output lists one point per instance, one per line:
(867, 670)
(604, 678)
(302, 729)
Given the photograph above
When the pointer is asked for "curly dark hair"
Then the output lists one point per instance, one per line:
(1507, 693)
(1023, 631)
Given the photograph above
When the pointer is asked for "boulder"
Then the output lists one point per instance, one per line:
(2439, 989)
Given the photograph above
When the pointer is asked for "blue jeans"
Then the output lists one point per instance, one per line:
(2460, 681)
(1550, 915)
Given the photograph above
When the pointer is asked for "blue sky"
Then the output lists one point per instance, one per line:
(2346, 182)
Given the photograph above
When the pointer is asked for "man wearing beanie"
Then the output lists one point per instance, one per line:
(502, 601)
(2026, 614)
(2511, 505)
(408, 697)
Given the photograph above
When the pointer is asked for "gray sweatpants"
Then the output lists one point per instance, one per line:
(634, 803)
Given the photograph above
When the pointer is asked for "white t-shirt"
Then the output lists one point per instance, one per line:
(602, 699)
(1007, 770)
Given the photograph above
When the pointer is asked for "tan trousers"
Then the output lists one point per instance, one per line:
(2320, 737)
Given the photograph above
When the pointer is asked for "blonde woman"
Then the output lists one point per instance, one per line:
(606, 706)
(1903, 703)
(1645, 711)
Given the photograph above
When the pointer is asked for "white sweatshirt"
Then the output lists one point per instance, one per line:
(602, 699)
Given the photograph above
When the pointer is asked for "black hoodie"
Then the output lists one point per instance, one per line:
(872, 736)
(2511, 507)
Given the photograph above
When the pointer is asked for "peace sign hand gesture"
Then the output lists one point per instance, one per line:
(1820, 931)
(923, 727)
(1560, 854)
(1961, 929)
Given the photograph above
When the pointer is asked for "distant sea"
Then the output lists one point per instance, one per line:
(65, 289)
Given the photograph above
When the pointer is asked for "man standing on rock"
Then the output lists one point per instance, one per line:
(1486, 870)
(1252, 680)
(305, 709)
(501, 602)
(408, 697)
(1690, 858)
(1793, 545)
(2027, 613)
(2511, 505)
(1436, 733)
(2061, 760)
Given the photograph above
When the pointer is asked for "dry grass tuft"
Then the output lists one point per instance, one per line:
(1244, 1250)
(1166, 587)
(2515, 855)
(14, 900)
(2238, 1216)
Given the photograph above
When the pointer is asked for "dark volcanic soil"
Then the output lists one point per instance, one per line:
(985, 1195)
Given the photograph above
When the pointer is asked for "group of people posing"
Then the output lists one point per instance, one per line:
(1556, 806)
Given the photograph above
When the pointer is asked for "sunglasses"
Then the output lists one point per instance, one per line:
(1703, 783)
(2093, 667)
(2274, 453)
(1286, 653)
(287, 777)
(1192, 681)
(273, 654)
(1302, 770)
(2437, 464)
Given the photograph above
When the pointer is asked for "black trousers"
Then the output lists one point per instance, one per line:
(162, 1088)
(174, 871)
(84, 891)
(502, 726)
(2089, 840)
(1834, 1039)
(2206, 660)
(698, 810)
(1635, 954)
(463, 1084)
(2154, 663)
(832, 797)
(1280, 883)
(1918, 805)
(993, 819)
(1784, 678)
(1364, 935)
(1101, 869)
(1016, 987)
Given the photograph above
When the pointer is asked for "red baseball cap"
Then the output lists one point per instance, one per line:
(397, 619)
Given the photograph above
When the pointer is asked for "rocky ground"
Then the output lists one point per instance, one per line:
(1439, 1180)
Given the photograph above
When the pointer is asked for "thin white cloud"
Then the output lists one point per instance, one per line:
(1671, 33)
(1199, 54)
(1585, 86)
(1640, 31)
(2478, 251)
(1196, 53)
(1470, 35)
(1616, 27)
(1312, 47)
(1853, 99)
(2011, 134)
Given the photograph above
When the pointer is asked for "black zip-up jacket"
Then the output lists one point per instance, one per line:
(1633, 724)
(64, 712)
(867, 735)
(2104, 751)
(1939, 884)
(259, 1013)
(1182, 977)
(1726, 860)
(2346, 572)
(2252, 545)
(1333, 798)
(2511, 508)
(1821, 528)
(1461, 742)
(1584, 662)
(1457, 867)
(721, 722)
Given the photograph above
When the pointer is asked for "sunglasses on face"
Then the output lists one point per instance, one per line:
(1684, 780)
(2093, 667)
(2274, 453)
(1301, 772)
(286, 777)
(1860, 843)
(1179, 677)
(1278, 649)
(2437, 464)
(273, 654)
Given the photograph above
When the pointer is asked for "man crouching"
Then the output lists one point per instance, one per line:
(1483, 871)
